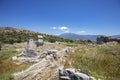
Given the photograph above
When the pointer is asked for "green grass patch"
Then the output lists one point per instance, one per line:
(70, 44)
(5, 76)
(7, 54)
(7, 66)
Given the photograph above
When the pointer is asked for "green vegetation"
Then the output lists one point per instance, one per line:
(4, 55)
(12, 35)
(102, 62)
(70, 44)
(7, 66)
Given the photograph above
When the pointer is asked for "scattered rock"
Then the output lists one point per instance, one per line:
(14, 58)
(70, 74)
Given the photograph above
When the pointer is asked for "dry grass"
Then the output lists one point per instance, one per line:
(102, 62)
(8, 67)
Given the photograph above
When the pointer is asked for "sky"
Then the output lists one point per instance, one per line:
(84, 17)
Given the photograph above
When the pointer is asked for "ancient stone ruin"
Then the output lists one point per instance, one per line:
(46, 63)
(30, 42)
(40, 41)
(30, 51)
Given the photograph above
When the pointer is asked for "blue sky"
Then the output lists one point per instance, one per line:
(62, 16)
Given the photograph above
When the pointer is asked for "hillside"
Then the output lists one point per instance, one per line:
(116, 36)
(15, 35)
(12, 30)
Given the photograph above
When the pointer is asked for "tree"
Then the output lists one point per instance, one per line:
(52, 40)
(89, 41)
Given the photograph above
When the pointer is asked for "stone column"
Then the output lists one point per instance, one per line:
(30, 42)
(40, 41)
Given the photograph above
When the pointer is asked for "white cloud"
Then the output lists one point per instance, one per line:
(64, 29)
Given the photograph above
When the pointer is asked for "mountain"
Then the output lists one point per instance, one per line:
(115, 36)
(70, 36)
(73, 36)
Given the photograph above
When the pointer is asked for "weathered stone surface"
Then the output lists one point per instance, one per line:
(41, 67)
(70, 74)
(14, 58)
(28, 53)
(64, 78)
(40, 41)
(33, 72)
(30, 42)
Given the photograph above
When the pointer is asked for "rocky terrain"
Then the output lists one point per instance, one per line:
(44, 66)
(51, 66)
(58, 60)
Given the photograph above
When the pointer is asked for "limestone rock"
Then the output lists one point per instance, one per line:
(14, 58)
(70, 74)
(42, 66)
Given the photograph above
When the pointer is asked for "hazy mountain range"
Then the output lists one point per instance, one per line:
(73, 36)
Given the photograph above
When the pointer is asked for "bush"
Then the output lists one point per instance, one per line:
(52, 40)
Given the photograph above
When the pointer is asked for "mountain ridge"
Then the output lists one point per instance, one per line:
(73, 36)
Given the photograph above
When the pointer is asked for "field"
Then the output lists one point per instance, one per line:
(102, 62)
(8, 66)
